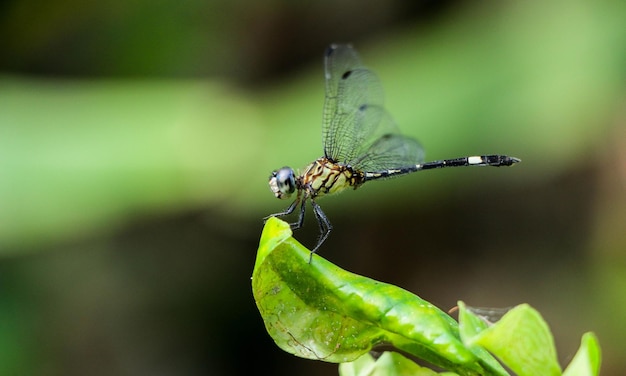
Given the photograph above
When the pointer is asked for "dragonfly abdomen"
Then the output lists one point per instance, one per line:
(482, 160)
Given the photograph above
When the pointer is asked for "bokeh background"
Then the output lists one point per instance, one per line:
(137, 137)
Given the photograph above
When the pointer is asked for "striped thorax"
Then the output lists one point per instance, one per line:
(324, 177)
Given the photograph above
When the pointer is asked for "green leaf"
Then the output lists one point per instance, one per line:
(362, 366)
(388, 364)
(586, 362)
(319, 311)
(522, 341)
(470, 326)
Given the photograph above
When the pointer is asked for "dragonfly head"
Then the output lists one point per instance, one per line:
(283, 182)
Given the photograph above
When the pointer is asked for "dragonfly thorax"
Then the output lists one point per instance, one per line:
(324, 177)
(283, 182)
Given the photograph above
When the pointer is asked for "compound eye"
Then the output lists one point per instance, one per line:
(283, 182)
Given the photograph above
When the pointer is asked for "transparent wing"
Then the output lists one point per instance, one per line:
(356, 128)
(349, 86)
(386, 148)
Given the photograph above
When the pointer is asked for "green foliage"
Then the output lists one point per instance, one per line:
(389, 363)
(521, 340)
(319, 311)
(94, 153)
(587, 359)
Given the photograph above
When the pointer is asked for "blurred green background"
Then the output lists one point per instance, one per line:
(137, 137)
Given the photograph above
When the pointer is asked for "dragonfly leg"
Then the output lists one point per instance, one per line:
(297, 225)
(325, 227)
(287, 211)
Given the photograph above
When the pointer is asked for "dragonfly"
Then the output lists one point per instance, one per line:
(361, 143)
